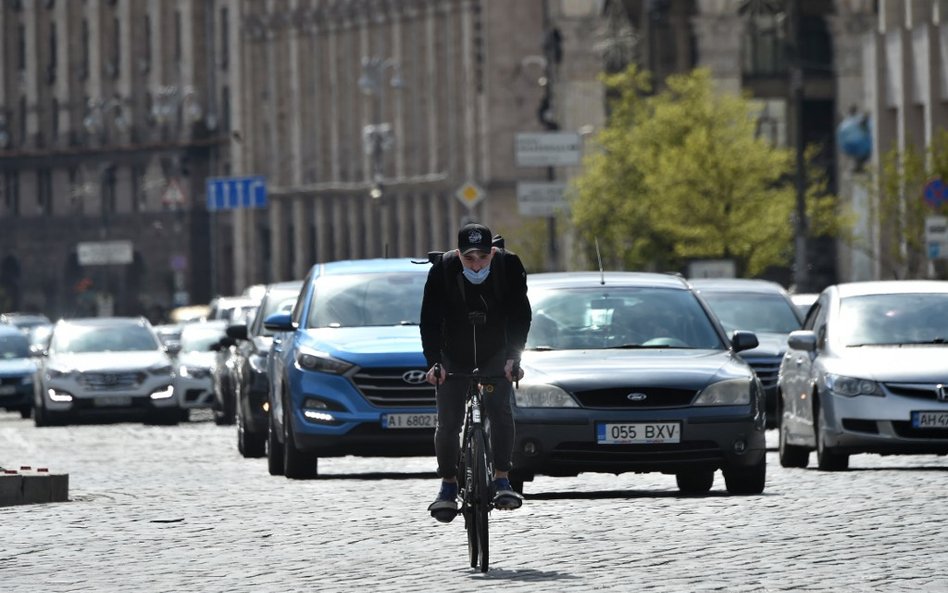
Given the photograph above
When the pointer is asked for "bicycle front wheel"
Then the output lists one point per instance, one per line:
(482, 495)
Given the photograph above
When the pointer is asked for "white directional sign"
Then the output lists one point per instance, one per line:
(100, 253)
(548, 149)
(541, 198)
(936, 236)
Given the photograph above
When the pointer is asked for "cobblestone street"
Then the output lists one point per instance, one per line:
(177, 509)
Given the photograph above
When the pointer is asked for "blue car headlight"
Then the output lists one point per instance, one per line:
(541, 395)
(313, 360)
(851, 386)
(733, 392)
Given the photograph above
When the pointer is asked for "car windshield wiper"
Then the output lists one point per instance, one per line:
(542, 348)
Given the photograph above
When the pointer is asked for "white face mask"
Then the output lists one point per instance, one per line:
(476, 277)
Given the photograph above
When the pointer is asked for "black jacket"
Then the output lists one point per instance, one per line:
(446, 331)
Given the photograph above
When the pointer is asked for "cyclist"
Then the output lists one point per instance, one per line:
(479, 291)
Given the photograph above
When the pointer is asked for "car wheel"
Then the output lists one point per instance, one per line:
(274, 449)
(184, 415)
(695, 481)
(746, 479)
(250, 444)
(791, 455)
(827, 459)
(43, 417)
(26, 412)
(296, 464)
(164, 417)
(39, 417)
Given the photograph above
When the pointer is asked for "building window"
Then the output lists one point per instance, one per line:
(51, 64)
(12, 192)
(54, 124)
(177, 36)
(146, 50)
(44, 192)
(84, 49)
(765, 47)
(108, 193)
(225, 36)
(138, 188)
(21, 47)
(22, 120)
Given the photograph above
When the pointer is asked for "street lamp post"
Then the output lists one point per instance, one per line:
(773, 12)
(378, 137)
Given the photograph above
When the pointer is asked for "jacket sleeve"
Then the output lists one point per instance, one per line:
(518, 307)
(432, 314)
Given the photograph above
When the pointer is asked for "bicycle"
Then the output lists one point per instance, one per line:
(475, 466)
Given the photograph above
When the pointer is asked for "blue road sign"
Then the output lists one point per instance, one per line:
(935, 192)
(230, 193)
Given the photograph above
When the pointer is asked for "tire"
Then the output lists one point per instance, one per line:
(184, 415)
(791, 455)
(274, 449)
(465, 473)
(26, 412)
(482, 496)
(296, 464)
(40, 418)
(164, 417)
(746, 479)
(695, 481)
(826, 458)
(250, 444)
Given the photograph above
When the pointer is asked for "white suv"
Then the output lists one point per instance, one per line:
(99, 366)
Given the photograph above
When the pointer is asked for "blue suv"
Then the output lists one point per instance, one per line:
(346, 369)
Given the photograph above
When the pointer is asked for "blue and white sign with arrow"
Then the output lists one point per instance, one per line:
(231, 193)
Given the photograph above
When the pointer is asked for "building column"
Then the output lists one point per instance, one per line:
(720, 32)
(848, 31)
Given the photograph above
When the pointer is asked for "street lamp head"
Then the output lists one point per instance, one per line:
(376, 192)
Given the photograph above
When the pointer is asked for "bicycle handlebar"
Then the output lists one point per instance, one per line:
(477, 376)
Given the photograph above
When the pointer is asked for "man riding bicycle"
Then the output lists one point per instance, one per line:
(475, 314)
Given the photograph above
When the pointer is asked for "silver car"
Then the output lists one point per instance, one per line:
(194, 376)
(868, 373)
(98, 366)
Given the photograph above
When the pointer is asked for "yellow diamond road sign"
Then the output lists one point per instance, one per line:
(470, 194)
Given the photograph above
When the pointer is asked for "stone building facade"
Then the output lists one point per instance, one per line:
(111, 113)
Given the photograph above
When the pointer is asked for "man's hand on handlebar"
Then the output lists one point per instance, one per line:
(509, 370)
(436, 374)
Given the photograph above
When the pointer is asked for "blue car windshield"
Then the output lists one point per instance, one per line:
(363, 300)
(619, 317)
(893, 319)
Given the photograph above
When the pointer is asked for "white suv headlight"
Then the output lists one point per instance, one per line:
(733, 392)
(541, 395)
(851, 386)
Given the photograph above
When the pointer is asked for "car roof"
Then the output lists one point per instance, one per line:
(287, 286)
(10, 330)
(848, 289)
(609, 278)
(104, 321)
(370, 266)
(736, 285)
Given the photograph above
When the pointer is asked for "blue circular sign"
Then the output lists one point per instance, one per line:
(935, 192)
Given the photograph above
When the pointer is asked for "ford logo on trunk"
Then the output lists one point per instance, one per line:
(414, 377)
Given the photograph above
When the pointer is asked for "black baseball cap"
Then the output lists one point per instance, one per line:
(474, 237)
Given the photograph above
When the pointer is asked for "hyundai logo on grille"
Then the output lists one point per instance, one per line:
(414, 377)
(942, 392)
(636, 397)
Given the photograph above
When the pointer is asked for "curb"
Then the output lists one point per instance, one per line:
(32, 486)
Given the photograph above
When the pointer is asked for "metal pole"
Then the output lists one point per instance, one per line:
(801, 273)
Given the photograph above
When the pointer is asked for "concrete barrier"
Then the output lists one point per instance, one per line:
(31, 486)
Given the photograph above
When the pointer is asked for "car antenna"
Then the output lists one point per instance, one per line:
(602, 275)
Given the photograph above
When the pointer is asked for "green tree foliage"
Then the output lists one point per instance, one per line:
(901, 207)
(682, 175)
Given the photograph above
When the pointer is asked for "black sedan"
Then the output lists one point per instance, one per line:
(631, 372)
(248, 366)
